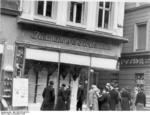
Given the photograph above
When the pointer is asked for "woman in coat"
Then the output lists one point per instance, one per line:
(61, 100)
(93, 98)
(125, 100)
(48, 97)
(140, 101)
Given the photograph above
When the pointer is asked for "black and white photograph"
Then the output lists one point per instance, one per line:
(80, 55)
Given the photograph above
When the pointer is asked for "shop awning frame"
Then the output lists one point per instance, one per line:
(68, 58)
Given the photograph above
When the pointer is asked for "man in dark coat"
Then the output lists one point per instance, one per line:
(114, 98)
(104, 100)
(68, 94)
(80, 97)
(61, 99)
(48, 97)
(140, 100)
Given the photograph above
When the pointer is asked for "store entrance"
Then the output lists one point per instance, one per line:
(71, 75)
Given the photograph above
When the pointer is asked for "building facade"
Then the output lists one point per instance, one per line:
(135, 59)
(63, 41)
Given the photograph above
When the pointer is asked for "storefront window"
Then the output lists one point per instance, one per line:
(73, 75)
(19, 61)
(100, 77)
(38, 74)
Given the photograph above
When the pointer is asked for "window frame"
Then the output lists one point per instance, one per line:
(135, 44)
(104, 9)
(43, 17)
(83, 15)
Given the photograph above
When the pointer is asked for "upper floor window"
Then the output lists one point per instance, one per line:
(141, 37)
(104, 9)
(76, 12)
(46, 8)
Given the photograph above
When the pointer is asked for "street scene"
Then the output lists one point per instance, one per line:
(74, 55)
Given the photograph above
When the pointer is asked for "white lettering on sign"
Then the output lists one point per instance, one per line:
(132, 61)
(70, 41)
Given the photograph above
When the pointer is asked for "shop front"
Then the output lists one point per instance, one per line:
(65, 58)
(62, 68)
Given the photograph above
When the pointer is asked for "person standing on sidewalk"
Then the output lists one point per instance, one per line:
(61, 99)
(80, 97)
(140, 101)
(113, 98)
(93, 98)
(68, 95)
(125, 100)
(48, 97)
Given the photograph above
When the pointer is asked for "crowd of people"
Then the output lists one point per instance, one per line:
(110, 98)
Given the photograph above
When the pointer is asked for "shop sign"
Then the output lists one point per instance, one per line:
(133, 60)
(69, 41)
(20, 92)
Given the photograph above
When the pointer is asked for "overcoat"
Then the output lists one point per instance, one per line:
(80, 97)
(140, 101)
(61, 100)
(93, 100)
(48, 98)
(104, 100)
(125, 100)
(113, 99)
(68, 96)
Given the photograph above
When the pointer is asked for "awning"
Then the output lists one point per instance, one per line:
(104, 63)
(75, 59)
(1, 48)
(42, 55)
(68, 58)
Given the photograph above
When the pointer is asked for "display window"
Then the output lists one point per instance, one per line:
(72, 75)
(101, 77)
(38, 74)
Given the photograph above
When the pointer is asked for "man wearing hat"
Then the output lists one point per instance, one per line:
(48, 97)
(80, 97)
(114, 97)
(140, 101)
(61, 100)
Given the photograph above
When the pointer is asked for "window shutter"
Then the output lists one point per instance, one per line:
(68, 11)
(84, 15)
(54, 9)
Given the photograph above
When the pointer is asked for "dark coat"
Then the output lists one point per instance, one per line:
(80, 94)
(125, 100)
(68, 94)
(104, 101)
(61, 99)
(80, 98)
(48, 98)
(140, 98)
(114, 98)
